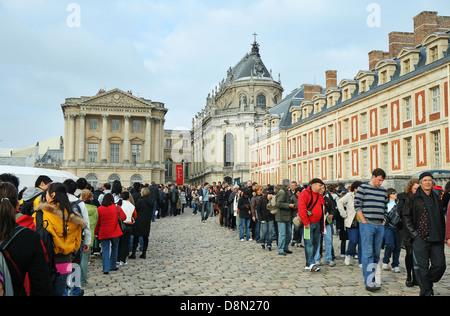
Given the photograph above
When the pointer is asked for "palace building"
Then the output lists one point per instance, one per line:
(114, 135)
(394, 116)
(234, 111)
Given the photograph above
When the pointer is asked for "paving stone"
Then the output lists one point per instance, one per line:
(190, 258)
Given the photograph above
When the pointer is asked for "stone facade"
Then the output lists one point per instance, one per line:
(177, 151)
(394, 116)
(233, 114)
(114, 135)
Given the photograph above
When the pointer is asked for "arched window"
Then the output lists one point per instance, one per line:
(242, 100)
(113, 178)
(136, 178)
(261, 101)
(92, 179)
(169, 168)
(229, 150)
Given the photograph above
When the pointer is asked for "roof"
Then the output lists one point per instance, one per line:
(250, 65)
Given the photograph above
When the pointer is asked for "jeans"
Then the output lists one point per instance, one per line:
(284, 236)
(155, 204)
(266, 233)
(328, 239)
(312, 244)
(194, 208)
(392, 245)
(371, 240)
(353, 242)
(245, 224)
(109, 254)
(59, 284)
(204, 208)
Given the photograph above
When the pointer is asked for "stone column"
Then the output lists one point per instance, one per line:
(66, 137)
(157, 153)
(104, 138)
(71, 137)
(148, 139)
(126, 140)
(82, 139)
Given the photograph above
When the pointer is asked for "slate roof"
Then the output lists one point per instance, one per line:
(250, 64)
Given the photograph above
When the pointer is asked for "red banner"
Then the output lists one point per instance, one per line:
(180, 175)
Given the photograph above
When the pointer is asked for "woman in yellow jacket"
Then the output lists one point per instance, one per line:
(65, 226)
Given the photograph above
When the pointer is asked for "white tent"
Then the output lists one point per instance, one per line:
(28, 175)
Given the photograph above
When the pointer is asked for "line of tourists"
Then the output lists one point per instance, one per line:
(49, 232)
(366, 215)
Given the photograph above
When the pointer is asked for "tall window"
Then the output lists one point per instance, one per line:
(115, 125)
(229, 150)
(169, 168)
(93, 124)
(436, 148)
(92, 152)
(408, 109)
(261, 101)
(115, 153)
(136, 153)
(136, 126)
(436, 98)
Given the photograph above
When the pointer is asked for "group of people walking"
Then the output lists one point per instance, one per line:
(367, 215)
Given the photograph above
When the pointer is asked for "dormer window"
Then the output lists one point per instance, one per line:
(406, 66)
(386, 69)
(383, 77)
(363, 86)
(433, 54)
(409, 58)
(436, 44)
(346, 95)
(348, 88)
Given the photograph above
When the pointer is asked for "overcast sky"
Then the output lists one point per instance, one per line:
(175, 51)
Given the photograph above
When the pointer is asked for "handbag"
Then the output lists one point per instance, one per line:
(394, 218)
(122, 225)
(297, 221)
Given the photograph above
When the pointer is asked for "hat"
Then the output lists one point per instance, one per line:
(316, 180)
(425, 174)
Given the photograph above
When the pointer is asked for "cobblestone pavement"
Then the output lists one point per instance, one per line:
(190, 258)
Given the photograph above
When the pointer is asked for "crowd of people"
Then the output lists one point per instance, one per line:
(48, 233)
(366, 216)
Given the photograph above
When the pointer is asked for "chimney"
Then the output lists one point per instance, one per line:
(398, 40)
(311, 90)
(375, 56)
(331, 78)
(425, 23)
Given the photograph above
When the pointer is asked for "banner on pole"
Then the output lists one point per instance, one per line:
(179, 174)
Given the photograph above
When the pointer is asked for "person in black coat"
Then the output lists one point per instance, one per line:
(25, 249)
(141, 227)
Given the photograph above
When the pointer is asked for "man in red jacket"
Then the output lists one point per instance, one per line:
(310, 210)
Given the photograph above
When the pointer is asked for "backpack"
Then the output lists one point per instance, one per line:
(47, 242)
(271, 206)
(5, 276)
(26, 207)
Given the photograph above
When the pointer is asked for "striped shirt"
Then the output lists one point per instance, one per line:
(372, 202)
